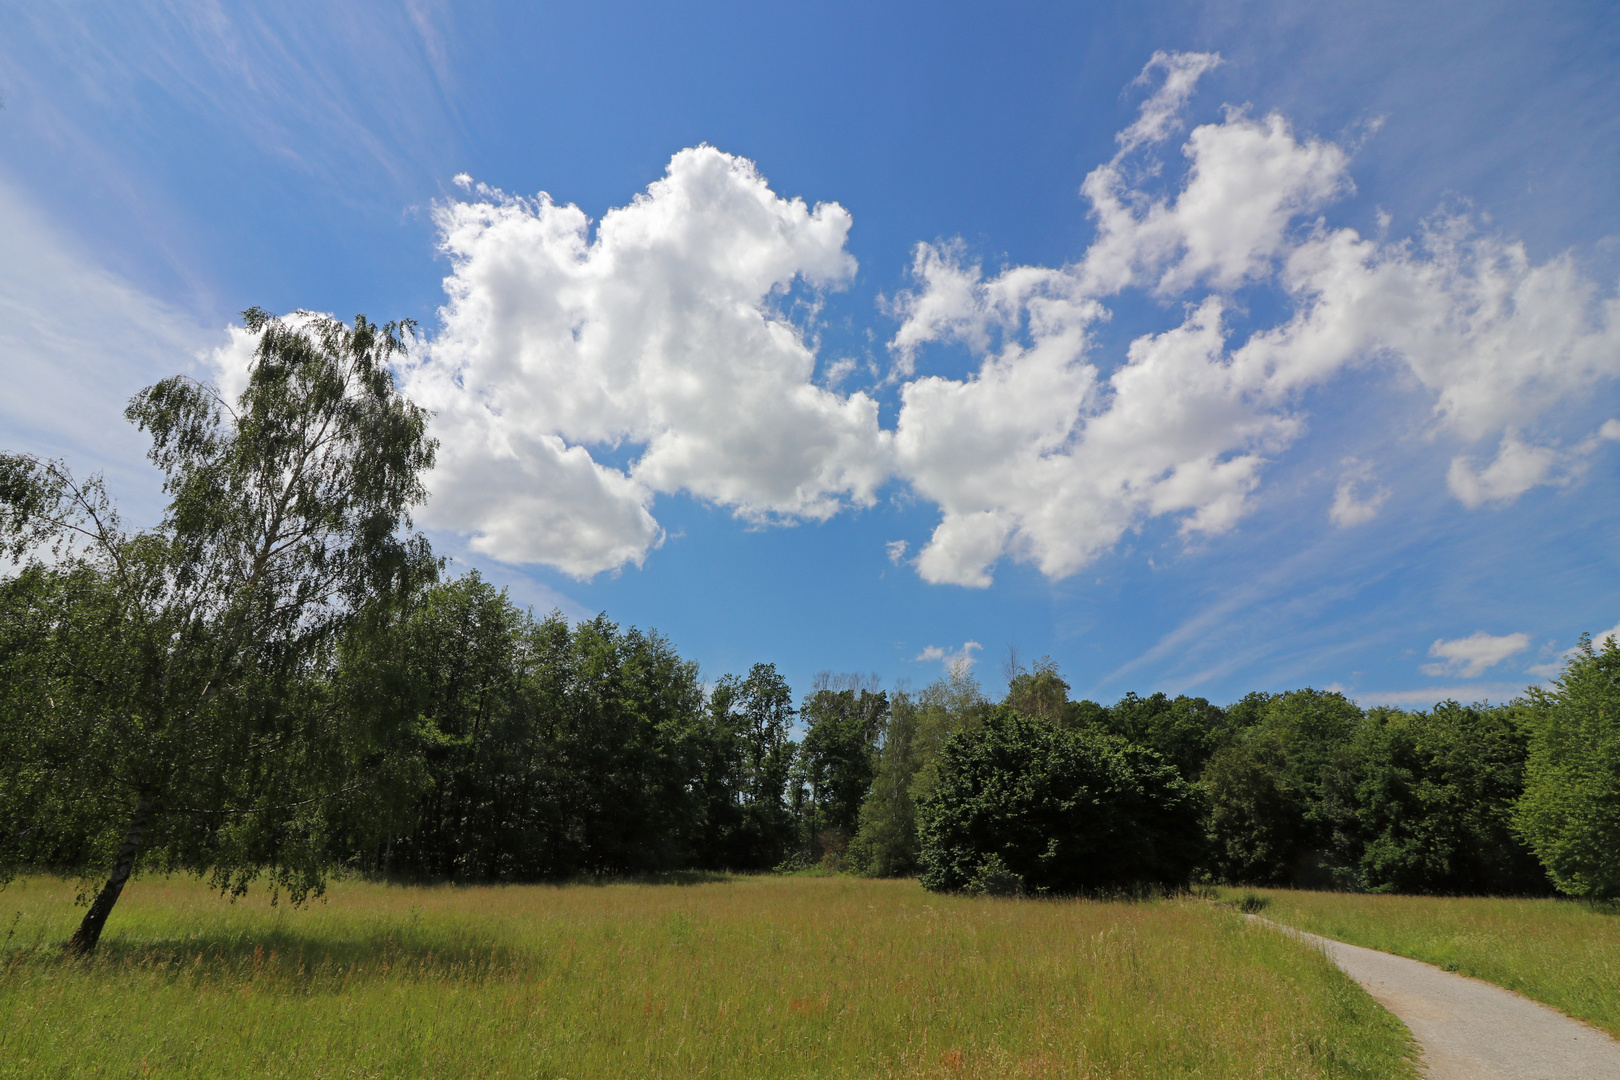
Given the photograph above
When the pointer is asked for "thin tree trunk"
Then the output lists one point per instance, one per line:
(85, 938)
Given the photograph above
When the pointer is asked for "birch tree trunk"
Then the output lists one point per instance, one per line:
(85, 938)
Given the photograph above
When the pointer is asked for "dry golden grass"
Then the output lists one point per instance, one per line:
(1565, 953)
(745, 977)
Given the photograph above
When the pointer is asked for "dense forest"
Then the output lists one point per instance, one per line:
(281, 679)
(547, 750)
(524, 748)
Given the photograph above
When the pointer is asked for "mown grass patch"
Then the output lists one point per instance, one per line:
(748, 977)
(1565, 953)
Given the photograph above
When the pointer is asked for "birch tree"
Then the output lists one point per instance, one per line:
(162, 688)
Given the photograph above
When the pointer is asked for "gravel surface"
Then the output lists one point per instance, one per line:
(1473, 1030)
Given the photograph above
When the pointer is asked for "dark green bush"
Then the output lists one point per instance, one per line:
(1021, 804)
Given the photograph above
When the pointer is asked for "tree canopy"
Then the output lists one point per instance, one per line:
(158, 683)
(836, 761)
(1424, 802)
(1570, 812)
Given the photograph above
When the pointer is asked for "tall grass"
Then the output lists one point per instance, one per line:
(747, 977)
(1562, 952)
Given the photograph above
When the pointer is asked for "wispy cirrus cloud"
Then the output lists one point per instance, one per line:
(78, 342)
(331, 89)
(1429, 696)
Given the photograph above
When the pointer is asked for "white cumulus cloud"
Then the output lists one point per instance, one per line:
(1495, 339)
(579, 375)
(1472, 656)
(1520, 466)
(1038, 457)
(1517, 467)
(1041, 457)
(1246, 182)
(664, 332)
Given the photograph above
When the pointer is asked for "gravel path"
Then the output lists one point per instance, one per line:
(1473, 1030)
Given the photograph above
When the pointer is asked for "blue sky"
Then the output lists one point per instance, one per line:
(1253, 345)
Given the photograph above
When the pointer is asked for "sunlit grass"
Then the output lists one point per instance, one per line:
(747, 977)
(1562, 952)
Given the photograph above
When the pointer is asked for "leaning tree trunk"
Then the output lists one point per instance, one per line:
(89, 933)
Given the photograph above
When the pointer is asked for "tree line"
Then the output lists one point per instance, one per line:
(1303, 788)
(280, 678)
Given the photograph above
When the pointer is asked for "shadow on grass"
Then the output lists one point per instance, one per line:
(667, 877)
(393, 946)
(286, 960)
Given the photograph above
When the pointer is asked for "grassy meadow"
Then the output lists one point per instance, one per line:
(1562, 952)
(740, 977)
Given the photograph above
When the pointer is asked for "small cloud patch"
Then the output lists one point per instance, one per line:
(957, 662)
(1358, 498)
(1472, 656)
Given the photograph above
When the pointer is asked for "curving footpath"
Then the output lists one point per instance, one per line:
(1473, 1030)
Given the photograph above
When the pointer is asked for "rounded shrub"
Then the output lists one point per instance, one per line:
(1022, 805)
